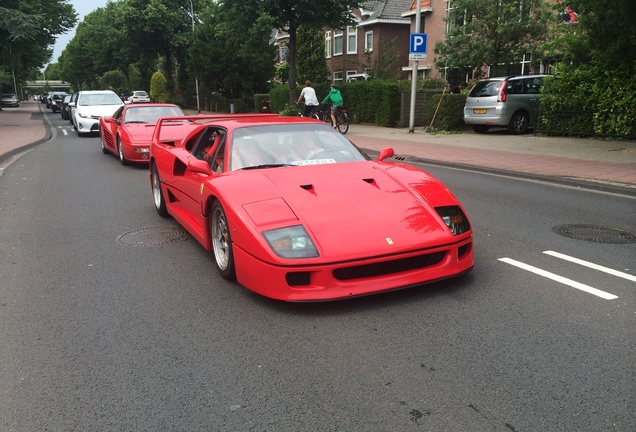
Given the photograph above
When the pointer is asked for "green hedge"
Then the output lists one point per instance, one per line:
(450, 115)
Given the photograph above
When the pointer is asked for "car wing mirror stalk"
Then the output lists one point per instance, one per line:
(199, 166)
(385, 153)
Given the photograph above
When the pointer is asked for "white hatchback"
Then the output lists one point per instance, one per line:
(89, 106)
(139, 96)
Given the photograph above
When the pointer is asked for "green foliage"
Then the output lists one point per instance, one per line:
(279, 98)
(290, 111)
(27, 30)
(114, 80)
(312, 64)
(158, 87)
(450, 114)
(594, 89)
(432, 83)
(492, 33)
(374, 101)
(583, 101)
(282, 71)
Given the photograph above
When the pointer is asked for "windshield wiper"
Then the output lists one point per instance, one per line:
(277, 165)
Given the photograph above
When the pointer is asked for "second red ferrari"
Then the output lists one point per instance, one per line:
(128, 133)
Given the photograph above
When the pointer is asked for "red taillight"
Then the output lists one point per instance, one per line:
(502, 92)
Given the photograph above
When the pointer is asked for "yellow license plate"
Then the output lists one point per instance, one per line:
(480, 111)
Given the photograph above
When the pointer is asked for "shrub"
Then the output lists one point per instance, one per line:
(450, 114)
(158, 87)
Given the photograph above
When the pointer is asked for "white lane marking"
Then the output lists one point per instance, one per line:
(592, 265)
(560, 279)
(64, 131)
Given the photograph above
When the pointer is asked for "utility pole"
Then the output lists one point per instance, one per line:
(196, 81)
(418, 11)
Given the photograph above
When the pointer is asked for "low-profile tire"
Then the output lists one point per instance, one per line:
(120, 153)
(157, 193)
(221, 242)
(519, 123)
(480, 129)
(104, 150)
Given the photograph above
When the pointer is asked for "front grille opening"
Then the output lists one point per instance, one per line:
(389, 267)
(464, 249)
(296, 279)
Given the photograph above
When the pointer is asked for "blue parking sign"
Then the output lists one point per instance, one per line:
(417, 46)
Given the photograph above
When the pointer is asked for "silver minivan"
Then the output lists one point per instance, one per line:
(511, 101)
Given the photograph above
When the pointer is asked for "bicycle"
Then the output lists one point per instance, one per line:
(314, 112)
(342, 119)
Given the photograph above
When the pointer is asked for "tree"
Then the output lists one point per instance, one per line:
(27, 30)
(489, 34)
(312, 64)
(232, 53)
(289, 15)
(158, 87)
(596, 74)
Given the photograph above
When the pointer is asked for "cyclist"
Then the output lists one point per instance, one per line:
(336, 102)
(311, 101)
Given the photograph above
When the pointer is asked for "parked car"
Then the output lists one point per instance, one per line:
(89, 106)
(56, 101)
(10, 100)
(138, 96)
(128, 132)
(510, 101)
(294, 211)
(64, 106)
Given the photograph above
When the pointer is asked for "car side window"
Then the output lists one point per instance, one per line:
(118, 113)
(515, 87)
(533, 85)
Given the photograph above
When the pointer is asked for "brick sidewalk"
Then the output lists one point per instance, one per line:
(20, 128)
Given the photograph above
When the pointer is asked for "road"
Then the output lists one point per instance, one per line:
(102, 334)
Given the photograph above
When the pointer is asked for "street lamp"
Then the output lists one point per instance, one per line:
(196, 81)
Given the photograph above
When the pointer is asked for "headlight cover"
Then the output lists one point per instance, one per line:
(454, 218)
(291, 242)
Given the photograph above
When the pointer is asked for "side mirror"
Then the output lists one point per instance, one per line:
(385, 153)
(111, 120)
(199, 166)
(71, 104)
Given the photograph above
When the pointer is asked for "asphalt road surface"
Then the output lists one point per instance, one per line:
(100, 333)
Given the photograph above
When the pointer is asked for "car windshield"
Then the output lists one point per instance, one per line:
(486, 88)
(150, 114)
(99, 99)
(290, 144)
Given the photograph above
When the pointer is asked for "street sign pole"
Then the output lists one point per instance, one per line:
(418, 11)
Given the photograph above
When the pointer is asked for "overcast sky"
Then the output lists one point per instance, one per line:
(83, 8)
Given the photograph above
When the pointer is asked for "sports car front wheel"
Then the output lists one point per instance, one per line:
(221, 242)
(120, 152)
(157, 194)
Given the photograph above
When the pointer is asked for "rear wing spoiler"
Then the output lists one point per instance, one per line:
(200, 119)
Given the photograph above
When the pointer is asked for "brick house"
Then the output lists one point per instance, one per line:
(379, 32)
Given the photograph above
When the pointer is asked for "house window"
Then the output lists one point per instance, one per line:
(368, 41)
(455, 17)
(337, 77)
(327, 44)
(337, 42)
(352, 40)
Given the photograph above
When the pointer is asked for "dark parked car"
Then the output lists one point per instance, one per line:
(64, 107)
(55, 103)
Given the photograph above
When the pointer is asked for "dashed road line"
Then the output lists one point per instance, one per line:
(592, 265)
(560, 279)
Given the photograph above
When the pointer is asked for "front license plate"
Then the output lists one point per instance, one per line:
(480, 111)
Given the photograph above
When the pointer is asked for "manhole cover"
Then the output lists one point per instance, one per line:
(153, 236)
(595, 233)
